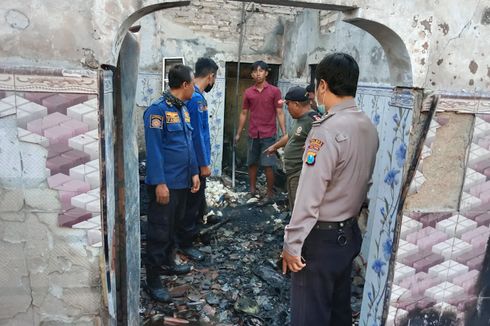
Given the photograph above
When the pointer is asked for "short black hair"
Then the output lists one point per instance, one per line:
(341, 73)
(310, 88)
(205, 66)
(179, 74)
(260, 64)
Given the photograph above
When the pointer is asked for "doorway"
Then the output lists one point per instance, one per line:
(232, 113)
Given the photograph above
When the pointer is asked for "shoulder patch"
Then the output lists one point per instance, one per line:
(322, 119)
(310, 158)
(315, 144)
(156, 121)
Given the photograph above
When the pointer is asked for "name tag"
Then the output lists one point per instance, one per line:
(172, 117)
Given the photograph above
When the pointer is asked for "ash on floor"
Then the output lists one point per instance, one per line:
(239, 283)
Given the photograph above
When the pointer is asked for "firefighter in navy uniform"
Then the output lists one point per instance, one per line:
(171, 171)
(299, 107)
(205, 77)
(323, 237)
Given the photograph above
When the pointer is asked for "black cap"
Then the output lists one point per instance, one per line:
(297, 94)
(310, 88)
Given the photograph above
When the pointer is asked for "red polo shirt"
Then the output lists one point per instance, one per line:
(262, 106)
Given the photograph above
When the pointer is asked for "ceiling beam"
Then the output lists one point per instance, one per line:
(311, 4)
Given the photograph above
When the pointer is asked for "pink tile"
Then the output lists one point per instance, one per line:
(478, 189)
(431, 219)
(480, 241)
(57, 150)
(487, 172)
(484, 142)
(35, 126)
(58, 179)
(485, 196)
(59, 102)
(426, 263)
(76, 157)
(483, 219)
(78, 126)
(73, 216)
(36, 97)
(483, 208)
(469, 286)
(419, 288)
(475, 252)
(58, 135)
(65, 198)
(411, 259)
(411, 280)
(75, 186)
(434, 237)
(481, 166)
(474, 233)
(476, 263)
(413, 237)
(471, 275)
(59, 164)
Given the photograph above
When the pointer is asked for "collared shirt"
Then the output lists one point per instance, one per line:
(170, 155)
(338, 163)
(294, 149)
(262, 106)
(198, 110)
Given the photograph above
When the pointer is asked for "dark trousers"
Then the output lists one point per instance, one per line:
(320, 293)
(160, 246)
(188, 228)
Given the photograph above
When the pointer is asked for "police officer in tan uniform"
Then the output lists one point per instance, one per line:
(323, 237)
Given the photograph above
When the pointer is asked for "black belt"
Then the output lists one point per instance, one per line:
(320, 225)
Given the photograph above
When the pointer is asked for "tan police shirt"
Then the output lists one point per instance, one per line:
(337, 166)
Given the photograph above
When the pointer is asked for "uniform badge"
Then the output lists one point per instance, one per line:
(298, 131)
(172, 117)
(156, 121)
(315, 144)
(187, 117)
(310, 158)
(202, 108)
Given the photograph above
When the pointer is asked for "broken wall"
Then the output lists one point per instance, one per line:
(445, 226)
(50, 235)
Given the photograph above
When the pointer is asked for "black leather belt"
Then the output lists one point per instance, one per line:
(320, 225)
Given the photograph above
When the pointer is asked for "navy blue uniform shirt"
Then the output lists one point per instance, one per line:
(198, 110)
(170, 155)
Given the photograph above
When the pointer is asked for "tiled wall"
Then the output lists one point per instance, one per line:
(50, 113)
(440, 254)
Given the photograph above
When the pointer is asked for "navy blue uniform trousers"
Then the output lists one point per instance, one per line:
(161, 242)
(321, 292)
(188, 228)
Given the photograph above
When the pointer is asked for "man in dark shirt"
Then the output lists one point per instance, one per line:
(299, 108)
(263, 102)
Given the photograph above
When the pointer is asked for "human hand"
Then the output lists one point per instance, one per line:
(163, 194)
(293, 263)
(205, 171)
(196, 183)
(270, 150)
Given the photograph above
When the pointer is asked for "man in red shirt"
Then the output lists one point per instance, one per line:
(263, 102)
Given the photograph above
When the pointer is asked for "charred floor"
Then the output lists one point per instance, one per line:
(239, 282)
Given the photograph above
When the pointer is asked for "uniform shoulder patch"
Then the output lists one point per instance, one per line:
(156, 121)
(312, 150)
(322, 119)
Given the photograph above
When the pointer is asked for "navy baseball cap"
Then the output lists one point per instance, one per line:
(297, 93)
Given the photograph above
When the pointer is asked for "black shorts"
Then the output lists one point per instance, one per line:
(256, 148)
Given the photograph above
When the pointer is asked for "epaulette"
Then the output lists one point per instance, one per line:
(322, 119)
(315, 116)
